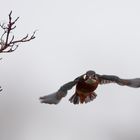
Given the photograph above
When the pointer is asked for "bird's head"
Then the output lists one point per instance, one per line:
(90, 77)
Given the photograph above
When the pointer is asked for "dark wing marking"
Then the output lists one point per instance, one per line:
(105, 79)
(55, 97)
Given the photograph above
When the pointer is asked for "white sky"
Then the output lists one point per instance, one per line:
(73, 37)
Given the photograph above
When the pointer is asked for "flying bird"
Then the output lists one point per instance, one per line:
(86, 85)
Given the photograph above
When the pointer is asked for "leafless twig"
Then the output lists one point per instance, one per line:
(7, 41)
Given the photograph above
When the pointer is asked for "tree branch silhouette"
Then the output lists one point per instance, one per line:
(8, 43)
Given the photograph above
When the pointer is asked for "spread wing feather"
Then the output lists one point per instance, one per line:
(56, 97)
(105, 79)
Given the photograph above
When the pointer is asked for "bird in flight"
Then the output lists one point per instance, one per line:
(86, 84)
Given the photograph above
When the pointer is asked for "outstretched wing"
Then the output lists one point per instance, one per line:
(55, 97)
(105, 79)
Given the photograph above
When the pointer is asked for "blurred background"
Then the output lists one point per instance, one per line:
(73, 37)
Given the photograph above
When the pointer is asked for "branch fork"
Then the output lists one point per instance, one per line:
(7, 41)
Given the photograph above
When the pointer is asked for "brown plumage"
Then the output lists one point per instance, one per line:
(85, 89)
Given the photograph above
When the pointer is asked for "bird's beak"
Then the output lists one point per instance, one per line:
(90, 77)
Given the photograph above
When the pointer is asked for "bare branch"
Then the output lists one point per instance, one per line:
(7, 41)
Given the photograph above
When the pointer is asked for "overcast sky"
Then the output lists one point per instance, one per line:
(73, 36)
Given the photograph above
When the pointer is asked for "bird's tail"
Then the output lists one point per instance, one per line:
(81, 98)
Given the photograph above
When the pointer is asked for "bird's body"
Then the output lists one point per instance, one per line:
(84, 91)
(86, 84)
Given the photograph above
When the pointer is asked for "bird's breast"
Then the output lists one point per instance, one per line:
(87, 86)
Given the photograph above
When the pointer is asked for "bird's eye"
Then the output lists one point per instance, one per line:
(95, 76)
(84, 76)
